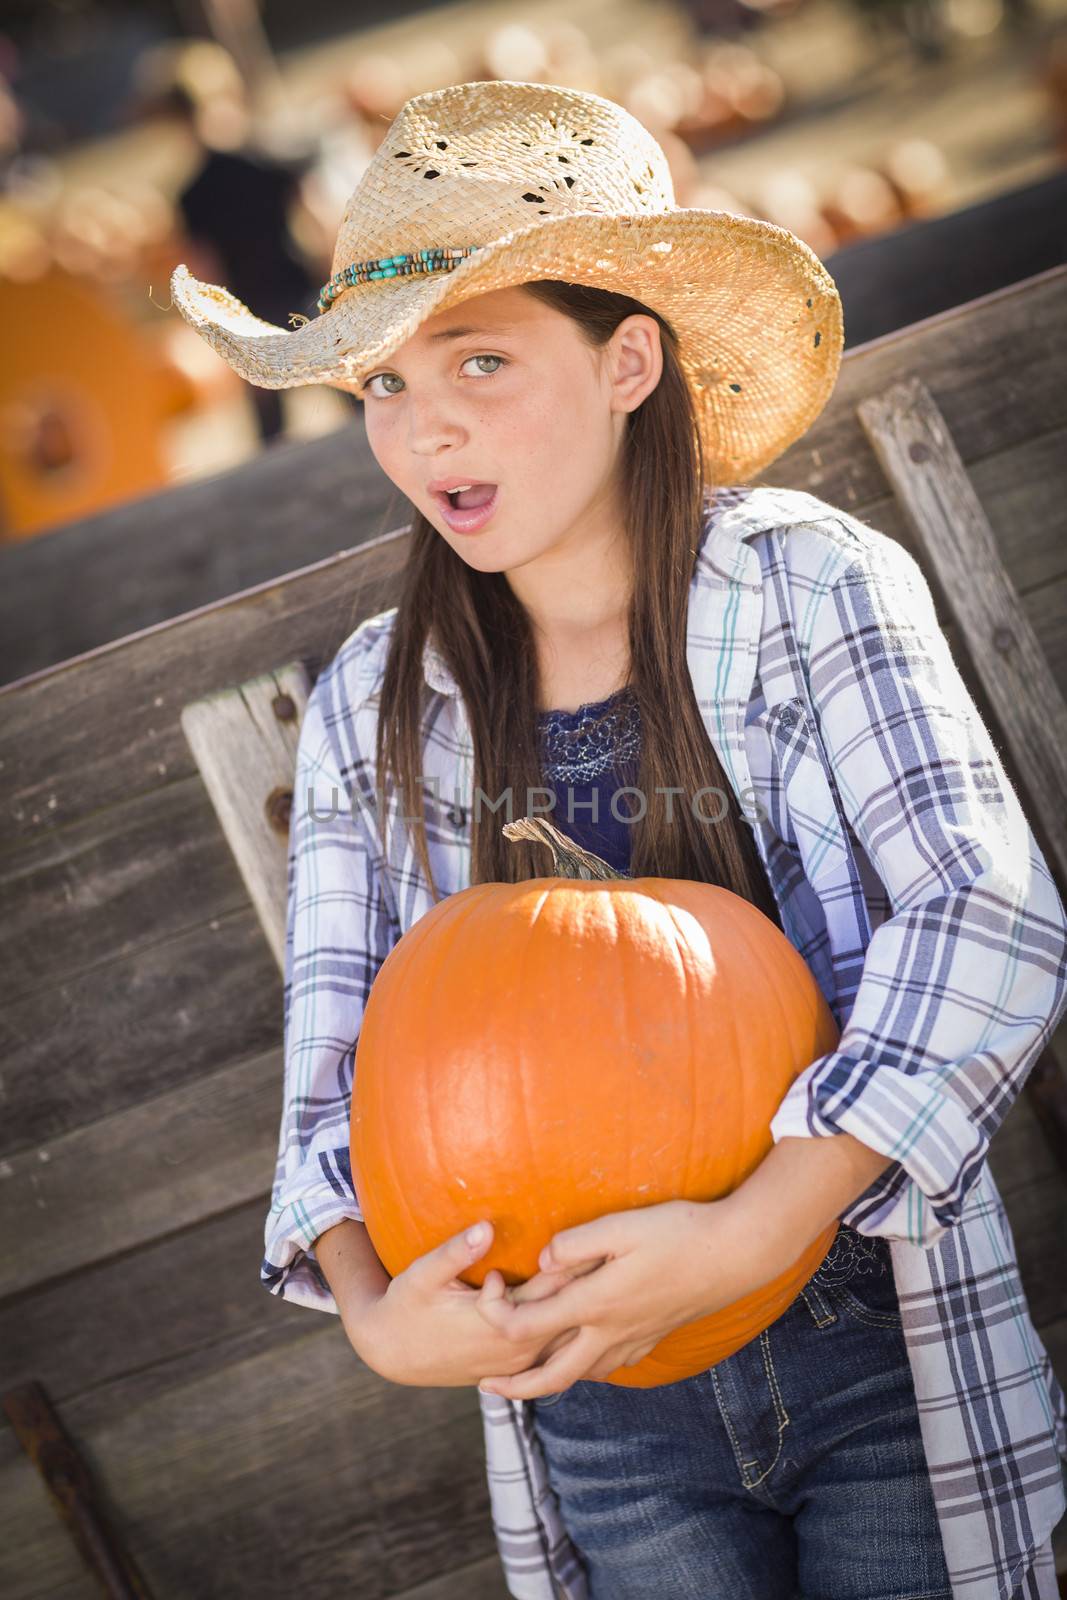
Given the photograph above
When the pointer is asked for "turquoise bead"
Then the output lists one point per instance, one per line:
(436, 258)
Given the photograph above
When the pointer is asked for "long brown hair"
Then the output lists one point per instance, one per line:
(484, 634)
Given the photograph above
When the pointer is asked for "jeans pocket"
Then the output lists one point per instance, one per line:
(857, 1278)
(875, 1304)
(870, 1296)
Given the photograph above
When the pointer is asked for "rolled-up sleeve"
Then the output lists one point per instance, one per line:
(338, 933)
(965, 980)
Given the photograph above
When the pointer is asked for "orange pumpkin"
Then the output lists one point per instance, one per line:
(542, 1053)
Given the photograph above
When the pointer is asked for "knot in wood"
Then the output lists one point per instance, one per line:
(284, 707)
(1003, 640)
(279, 808)
(919, 451)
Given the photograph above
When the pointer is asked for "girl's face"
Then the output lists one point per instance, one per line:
(504, 390)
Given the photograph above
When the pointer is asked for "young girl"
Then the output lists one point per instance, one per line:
(573, 381)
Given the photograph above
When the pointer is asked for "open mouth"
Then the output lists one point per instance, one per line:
(478, 494)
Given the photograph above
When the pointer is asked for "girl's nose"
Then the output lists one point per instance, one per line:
(430, 426)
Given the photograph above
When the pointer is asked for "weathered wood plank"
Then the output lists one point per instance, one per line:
(68, 1480)
(111, 1038)
(155, 1317)
(104, 727)
(164, 1162)
(209, 1478)
(104, 577)
(484, 1580)
(96, 891)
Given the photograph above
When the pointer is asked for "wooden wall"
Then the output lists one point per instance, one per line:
(245, 1450)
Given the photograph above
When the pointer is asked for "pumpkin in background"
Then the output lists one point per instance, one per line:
(544, 1052)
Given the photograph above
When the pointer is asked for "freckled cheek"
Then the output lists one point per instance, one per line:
(387, 447)
(532, 437)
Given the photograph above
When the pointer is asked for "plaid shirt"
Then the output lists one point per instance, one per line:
(909, 880)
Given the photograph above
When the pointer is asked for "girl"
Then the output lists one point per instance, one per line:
(572, 381)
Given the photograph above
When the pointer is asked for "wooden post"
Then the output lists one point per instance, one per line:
(244, 741)
(919, 458)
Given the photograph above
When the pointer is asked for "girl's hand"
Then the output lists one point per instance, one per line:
(624, 1281)
(639, 1274)
(425, 1328)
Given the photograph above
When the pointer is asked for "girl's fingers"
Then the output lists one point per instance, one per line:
(540, 1286)
(567, 1366)
(491, 1300)
(556, 1344)
(537, 1321)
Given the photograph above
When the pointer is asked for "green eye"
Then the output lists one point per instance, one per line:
(385, 377)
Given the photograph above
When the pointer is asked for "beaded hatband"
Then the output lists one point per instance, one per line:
(441, 259)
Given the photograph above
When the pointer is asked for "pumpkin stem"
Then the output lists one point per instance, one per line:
(569, 860)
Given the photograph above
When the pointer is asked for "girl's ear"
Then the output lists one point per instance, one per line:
(637, 360)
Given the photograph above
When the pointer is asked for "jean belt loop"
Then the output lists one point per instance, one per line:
(822, 1312)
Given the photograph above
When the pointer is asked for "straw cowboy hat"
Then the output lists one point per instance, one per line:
(480, 186)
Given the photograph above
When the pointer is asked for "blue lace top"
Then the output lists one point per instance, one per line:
(586, 756)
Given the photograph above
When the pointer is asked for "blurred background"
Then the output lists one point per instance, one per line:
(229, 133)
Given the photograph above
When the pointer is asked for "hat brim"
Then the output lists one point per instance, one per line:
(758, 316)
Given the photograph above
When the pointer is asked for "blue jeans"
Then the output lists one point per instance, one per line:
(794, 1468)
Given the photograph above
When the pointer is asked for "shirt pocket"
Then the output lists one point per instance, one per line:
(804, 826)
(791, 780)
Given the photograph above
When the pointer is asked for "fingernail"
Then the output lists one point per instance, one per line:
(485, 1389)
(476, 1234)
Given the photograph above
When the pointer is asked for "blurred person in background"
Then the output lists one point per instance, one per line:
(236, 205)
